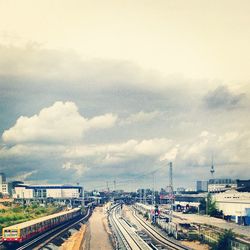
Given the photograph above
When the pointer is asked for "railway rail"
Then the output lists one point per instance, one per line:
(44, 239)
(127, 237)
(158, 237)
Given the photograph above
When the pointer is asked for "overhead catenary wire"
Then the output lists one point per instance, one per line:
(134, 178)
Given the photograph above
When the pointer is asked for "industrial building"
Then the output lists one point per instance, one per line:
(221, 185)
(201, 186)
(43, 192)
(234, 205)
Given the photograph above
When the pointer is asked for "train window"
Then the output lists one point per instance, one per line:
(14, 233)
(6, 233)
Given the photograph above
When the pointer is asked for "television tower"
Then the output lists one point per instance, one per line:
(212, 170)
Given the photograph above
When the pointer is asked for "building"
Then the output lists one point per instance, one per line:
(234, 205)
(243, 185)
(201, 186)
(42, 192)
(187, 201)
(7, 188)
(2, 178)
(221, 185)
(2, 181)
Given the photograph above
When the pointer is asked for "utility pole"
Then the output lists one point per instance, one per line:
(153, 192)
(144, 196)
(107, 183)
(171, 191)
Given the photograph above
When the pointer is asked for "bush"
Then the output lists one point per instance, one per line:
(17, 209)
(225, 239)
(34, 205)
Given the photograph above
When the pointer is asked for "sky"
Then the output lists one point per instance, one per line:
(97, 91)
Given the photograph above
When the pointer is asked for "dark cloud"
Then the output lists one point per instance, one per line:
(223, 98)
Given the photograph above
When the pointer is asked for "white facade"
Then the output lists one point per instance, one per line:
(22, 192)
(47, 191)
(6, 188)
(233, 203)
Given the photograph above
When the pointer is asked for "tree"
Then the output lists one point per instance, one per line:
(225, 239)
(202, 206)
(211, 207)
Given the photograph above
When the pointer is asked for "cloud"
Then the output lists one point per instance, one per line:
(24, 176)
(120, 152)
(222, 97)
(59, 123)
(140, 117)
(77, 168)
(103, 121)
(170, 155)
(153, 119)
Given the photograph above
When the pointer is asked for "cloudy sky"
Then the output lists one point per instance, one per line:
(96, 91)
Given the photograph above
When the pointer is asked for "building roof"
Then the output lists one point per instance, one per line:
(48, 186)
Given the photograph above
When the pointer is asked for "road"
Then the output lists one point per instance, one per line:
(97, 234)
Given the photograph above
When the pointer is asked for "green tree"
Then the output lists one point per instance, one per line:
(211, 207)
(202, 206)
(225, 239)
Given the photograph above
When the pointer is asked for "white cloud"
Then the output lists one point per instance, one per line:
(60, 122)
(31, 150)
(78, 168)
(170, 155)
(103, 121)
(119, 152)
(154, 146)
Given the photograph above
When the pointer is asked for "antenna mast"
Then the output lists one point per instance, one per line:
(212, 170)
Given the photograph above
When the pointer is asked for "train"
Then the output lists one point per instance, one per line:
(25, 231)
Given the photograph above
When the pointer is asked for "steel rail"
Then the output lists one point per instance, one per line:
(117, 232)
(130, 241)
(157, 236)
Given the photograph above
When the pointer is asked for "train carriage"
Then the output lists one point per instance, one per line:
(24, 231)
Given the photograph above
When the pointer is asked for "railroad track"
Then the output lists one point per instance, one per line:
(50, 235)
(158, 237)
(127, 236)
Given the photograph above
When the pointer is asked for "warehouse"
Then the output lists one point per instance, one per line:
(45, 192)
(235, 205)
